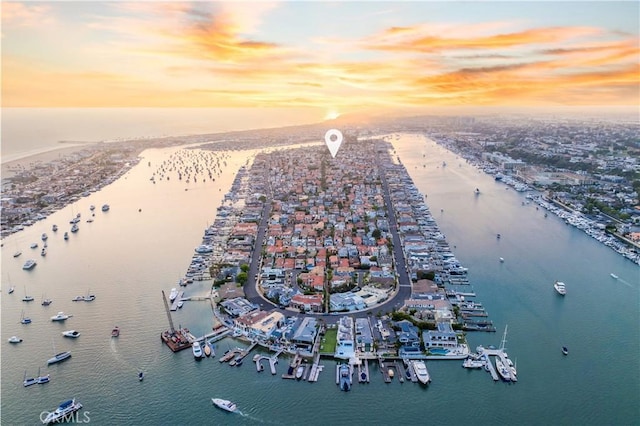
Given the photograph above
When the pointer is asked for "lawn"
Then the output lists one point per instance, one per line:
(328, 344)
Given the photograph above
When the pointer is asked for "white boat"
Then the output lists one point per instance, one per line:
(92, 207)
(44, 236)
(54, 228)
(71, 333)
(43, 252)
(11, 289)
(64, 411)
(34, 245)
(421, 371)
(560, 288)
(74, 227)
(61, 356)
(46, 302)
(28, 381)
(224, 404)
(180, 304)
(43, 379)
(60, 316)
(29, 264)
(503, 370)
(299, 372)
(501, 259)
(197, 350)
(15, 339)
(24, 320)
(173, 294)
(78, 299)
(614, 276)
(473, 363)
(16, 254)
(26, 297)
(105, 207)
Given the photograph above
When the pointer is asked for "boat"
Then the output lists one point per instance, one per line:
(74, 227)
(390, 373)
(59, 357)
(105, 207)
(614, 276)
(29, 264)
(565, 351)
(44, 236)
(115, 332)
(197, 350)
(46, 302)
(173, 294)
(560, 288)
(43, 252)
(502, 369)
(71, 333)
(15, 339)
(66, 235)
(473, 363)
(24, 320)
(299, 372)
(64, 411)
(207, 350)
(92, 207)
(26, 297)
(502, 260)
(43, 379)
(421, 371)
(54, 228)
(224, 404)
(11, 290)
(34, 245)
(78, 299)
(60, 316)
(345, 377)
(16, 254)
(180, 304)
(140, 376)
(498, 236)
(89, 297)
(28, 381)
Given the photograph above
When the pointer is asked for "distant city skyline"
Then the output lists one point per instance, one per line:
(331, 58)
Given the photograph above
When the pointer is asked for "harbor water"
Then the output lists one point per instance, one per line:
(144, 244)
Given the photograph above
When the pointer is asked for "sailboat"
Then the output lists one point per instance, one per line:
(28, 381)
(23, 319)
(508, 364)
(60, 356)
(42, 379)
(27, 298)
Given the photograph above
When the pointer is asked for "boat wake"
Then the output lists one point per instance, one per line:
(255, 419)
(127, 364)
(628, 284)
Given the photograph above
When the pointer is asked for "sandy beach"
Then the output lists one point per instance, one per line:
(9, 168)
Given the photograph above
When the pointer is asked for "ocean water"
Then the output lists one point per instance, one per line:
(126, 257)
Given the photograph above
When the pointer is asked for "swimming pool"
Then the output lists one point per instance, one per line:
(438, 351)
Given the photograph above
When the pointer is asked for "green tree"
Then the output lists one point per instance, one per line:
(241, 278)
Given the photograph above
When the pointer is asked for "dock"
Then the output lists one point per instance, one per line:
(178, 299)
(363, 371)
(385, 371)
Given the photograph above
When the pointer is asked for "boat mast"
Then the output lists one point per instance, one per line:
(504, 337)
(166, 308)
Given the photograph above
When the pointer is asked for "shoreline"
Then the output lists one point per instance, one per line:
(10, 167)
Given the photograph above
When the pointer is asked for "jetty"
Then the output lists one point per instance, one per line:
(175, 339)
(176, 301)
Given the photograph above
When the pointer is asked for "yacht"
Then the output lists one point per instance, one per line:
(224, 404)
(503, 370)
(197, 350)
(299, 372)
(173, 294)
(560, 288)
(473, 363)
(46, 302)
(345, 377)
(64, 411)
(115, 332)
(59, 357)
(15, 339)
(614, 276)
(420, 369)
(29, 264)
(78, 299)
(60, 316)
(105, 207)
(71, 333)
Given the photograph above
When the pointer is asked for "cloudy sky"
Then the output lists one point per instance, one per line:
(338, 57)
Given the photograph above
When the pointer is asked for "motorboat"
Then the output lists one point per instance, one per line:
(66, 235)
(34, 245)
(16, 254)
(59, 357)
(29, 264)
(565, 350)
(473, 363)
(115, 332)
(15, 339)
(105, 207)
(173, 294)
(44, 236)
(501, 260)
(503, 370)
(421, 371)
(180, 304)
(560, 288)
(299, 372)
(614, 276)
(92, 207)
(140, 376)
(207, 350)
(344, 374)
(11, 290)
(197, 350)
(78, 299)
(71, 333)
(54, 228)
(43, 252)
(60, 316)
(46, 302)
(63, 411)
(90, 297)
(224, 404)
(74, 227)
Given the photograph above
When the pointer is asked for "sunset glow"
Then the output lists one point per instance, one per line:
(335, 57)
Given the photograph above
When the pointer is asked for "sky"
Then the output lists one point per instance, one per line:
(331, 57)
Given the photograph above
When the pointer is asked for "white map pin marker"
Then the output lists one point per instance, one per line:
(333, 145)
